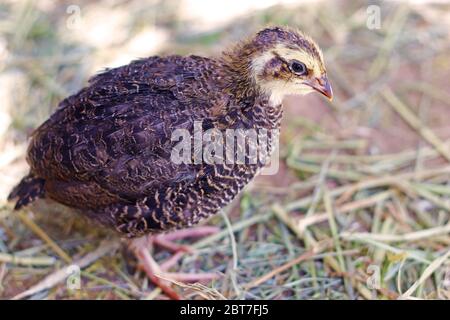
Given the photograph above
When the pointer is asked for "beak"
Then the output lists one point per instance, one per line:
(322, 85)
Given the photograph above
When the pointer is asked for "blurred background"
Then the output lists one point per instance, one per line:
(360, 207)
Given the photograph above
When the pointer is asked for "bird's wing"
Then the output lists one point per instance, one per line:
(117, 131)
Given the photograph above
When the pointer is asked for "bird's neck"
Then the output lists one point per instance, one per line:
(237, 64)
(239, 79)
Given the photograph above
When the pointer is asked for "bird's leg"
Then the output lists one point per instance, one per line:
(172, 261)
(166, 240)
(158, 273)
(152, 269)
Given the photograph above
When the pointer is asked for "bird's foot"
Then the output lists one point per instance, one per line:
(166, 240)
(158, 273)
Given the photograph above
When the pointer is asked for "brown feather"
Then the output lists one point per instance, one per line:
(106, 150)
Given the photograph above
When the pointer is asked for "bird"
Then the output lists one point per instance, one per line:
(107, 150)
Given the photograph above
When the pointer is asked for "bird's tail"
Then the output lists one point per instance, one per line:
(29, 189)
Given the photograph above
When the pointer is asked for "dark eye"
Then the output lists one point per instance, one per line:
(298, 68)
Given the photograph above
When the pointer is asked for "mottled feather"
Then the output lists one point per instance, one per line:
(106, 151)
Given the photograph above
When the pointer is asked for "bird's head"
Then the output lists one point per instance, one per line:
(282, 61)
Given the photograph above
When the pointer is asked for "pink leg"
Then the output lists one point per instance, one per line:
(158, 273)
(196, 232)
(153, 271)
(162, 242)
(172, 261)
(166, 240)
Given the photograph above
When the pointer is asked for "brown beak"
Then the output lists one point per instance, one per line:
(322, 85)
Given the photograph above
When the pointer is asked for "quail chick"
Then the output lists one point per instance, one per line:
(106, 150)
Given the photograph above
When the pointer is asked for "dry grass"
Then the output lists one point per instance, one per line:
(363, 187)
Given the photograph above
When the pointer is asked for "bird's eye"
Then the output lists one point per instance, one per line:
(298, 68)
